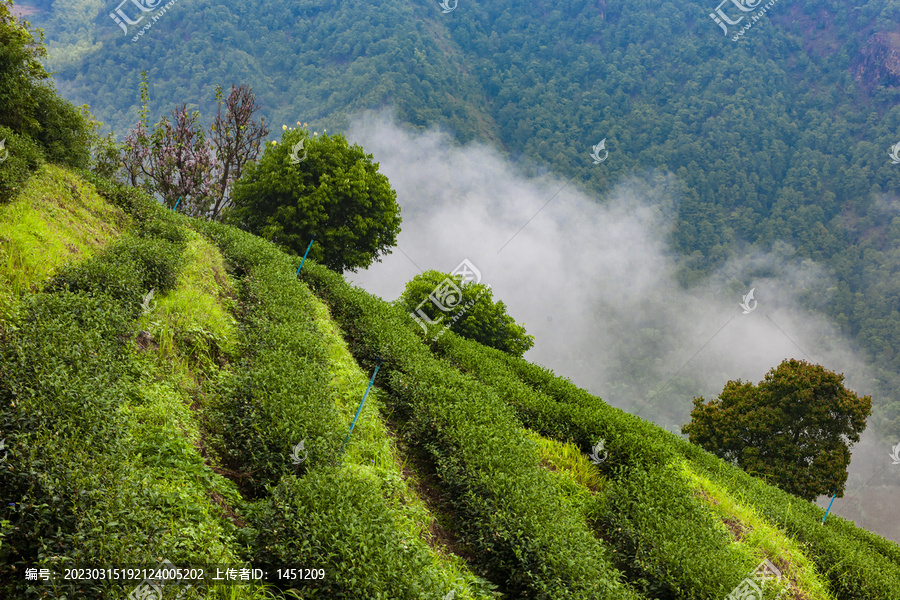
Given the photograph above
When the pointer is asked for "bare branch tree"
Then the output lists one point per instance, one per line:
(237, 140)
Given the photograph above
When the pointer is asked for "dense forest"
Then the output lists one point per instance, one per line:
(782, 136)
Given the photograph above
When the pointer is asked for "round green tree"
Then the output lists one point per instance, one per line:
(437, 299)
(323, 187)
(792, 429)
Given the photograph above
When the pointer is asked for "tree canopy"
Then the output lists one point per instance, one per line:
(467, 307)
(322, 187)
(795, 428)
(30, 104)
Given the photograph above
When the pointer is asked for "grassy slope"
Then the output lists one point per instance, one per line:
(57, 218)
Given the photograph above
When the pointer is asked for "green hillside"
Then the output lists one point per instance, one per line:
(139, 430)
(778, 141)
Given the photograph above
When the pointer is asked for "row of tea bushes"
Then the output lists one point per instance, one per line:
(856, 563)
(511, 513)
(666, 540)
(93, 478)
(326, 514)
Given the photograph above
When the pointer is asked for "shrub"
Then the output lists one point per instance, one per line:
(132, 200)
(31, 106)
(336, 194)
(24, 157)
(653, 519)
(337, 521)
(477, 316)
(126, 271)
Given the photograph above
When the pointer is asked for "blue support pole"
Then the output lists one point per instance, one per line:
(177, 203)
(829, 508)
(304, 256)
(359, 410)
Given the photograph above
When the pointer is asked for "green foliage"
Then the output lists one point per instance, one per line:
(31, 107)
(857, 564)
(336, 194)
(136, 202)
(23, 158)
(336, 521)
(649, 515)
(477, 316)
(126, 271)
(773, 142)
(98, 471)
(40, 231)
(278, 394)
(106, 153)
(514, 516)
(790, 428)
(294, 384)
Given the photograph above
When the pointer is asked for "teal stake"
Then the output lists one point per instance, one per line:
(177, 203)
(353, 424)
(304, 256)
(829, 508)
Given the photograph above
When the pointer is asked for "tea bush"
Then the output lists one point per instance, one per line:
(856, 565)
(282, 392)
(853, 564)
(511, 513)
(277, 395)
(127, 270)
(665, 540)
(101, 465)
(335, 520)
(80, 475)
(134, 201)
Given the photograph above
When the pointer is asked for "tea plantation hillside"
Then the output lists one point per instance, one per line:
(205, 425)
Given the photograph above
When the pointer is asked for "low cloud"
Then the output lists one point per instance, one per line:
(594, 281)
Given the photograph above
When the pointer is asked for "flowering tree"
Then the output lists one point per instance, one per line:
(178, 162)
